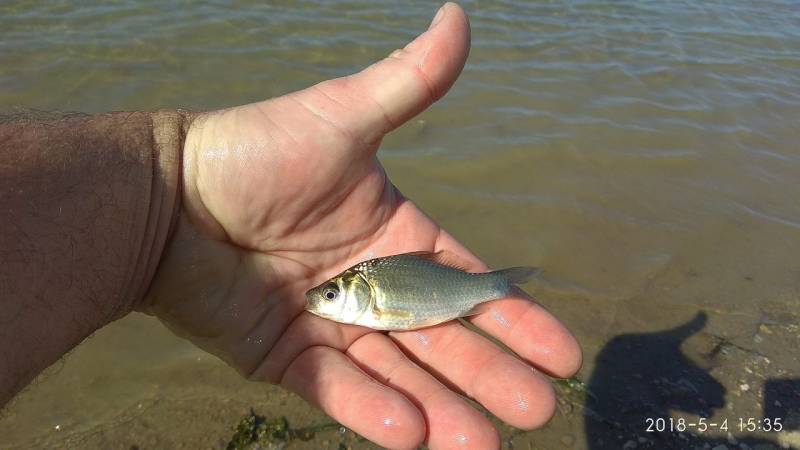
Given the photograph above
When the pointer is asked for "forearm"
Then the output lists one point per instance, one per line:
(87, 204)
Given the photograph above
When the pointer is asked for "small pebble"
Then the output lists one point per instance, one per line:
(567, 440)
(629, 445)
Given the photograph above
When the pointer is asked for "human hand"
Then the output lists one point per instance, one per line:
(282, 194)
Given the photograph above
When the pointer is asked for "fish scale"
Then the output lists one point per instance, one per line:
(428, 290)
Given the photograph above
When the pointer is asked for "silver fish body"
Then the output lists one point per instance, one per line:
(408, 291)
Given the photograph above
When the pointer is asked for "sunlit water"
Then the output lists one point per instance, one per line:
(644, 154)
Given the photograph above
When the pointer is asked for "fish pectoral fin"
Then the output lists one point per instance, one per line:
(480, 308)
(392, 314)
(445, 258)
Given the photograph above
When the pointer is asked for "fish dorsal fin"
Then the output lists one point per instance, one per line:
(443, 257)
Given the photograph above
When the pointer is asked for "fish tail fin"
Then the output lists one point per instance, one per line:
(518, 275)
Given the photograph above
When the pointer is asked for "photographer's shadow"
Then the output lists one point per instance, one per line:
(641, 378)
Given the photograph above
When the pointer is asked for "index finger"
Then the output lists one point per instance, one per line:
(525, 327)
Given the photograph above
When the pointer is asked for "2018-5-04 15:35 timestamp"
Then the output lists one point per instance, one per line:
(741, 424)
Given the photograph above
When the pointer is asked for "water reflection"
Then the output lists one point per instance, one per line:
(643, 377)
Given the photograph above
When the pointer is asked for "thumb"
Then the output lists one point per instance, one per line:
(383, 96)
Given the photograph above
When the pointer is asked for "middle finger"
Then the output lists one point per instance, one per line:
(512, 390)
(452, 423)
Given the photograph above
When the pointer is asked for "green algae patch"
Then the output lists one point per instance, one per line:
(255, 432)
(574, 389)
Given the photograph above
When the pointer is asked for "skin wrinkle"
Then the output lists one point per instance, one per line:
(479, 368)
(197, 178)
(379, 233)
(387, 125)
(386, 376)
(384, 112)
(145, 248)
(443, 344)
(265, 115)
(318, 88)
(353, 249)
(430, 396)
(309, 221)
(307, 269)
(375, 234)
(297, 226)
(513, 330)
(420, 75)
(281, 380)
(294, 324)
(367, 145)
(421, 61)
(347, 134)
(388, 190)
(380, 221)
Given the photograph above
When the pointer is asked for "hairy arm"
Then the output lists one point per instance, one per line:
(86, 205)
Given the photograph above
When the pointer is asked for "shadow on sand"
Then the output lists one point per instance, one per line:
(643, 377)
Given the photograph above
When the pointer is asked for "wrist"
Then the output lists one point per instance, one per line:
(169, 128)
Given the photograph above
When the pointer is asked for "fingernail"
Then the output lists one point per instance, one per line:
(438, 17)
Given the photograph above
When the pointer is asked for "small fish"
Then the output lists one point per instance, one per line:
(409, 291)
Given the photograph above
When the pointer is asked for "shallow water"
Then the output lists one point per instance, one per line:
(644, 154)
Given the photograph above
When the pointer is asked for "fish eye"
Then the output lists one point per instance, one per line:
(330, 292)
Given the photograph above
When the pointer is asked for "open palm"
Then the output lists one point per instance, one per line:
(282, 194)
